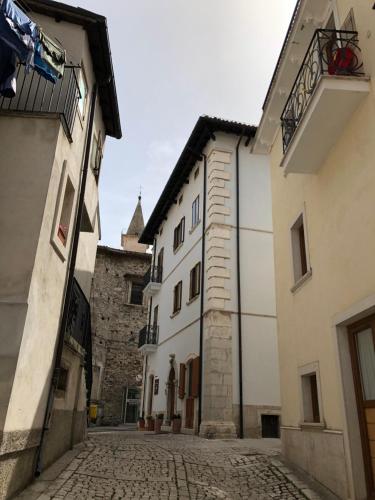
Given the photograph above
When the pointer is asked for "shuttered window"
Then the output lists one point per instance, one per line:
(181, 384)
(177, 297)
(195, 277)
(179, 234)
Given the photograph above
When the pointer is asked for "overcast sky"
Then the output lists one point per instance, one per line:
(175, 60)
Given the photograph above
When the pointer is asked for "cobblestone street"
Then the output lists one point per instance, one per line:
(133, 465)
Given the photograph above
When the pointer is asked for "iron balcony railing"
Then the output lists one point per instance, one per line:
(36, 95)
(79, 328)
(332, 53)
(154, 275)
(148, 335)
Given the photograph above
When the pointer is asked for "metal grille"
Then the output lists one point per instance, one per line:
(154, 275)
(148, 335)
(36, 95)
(332, 53)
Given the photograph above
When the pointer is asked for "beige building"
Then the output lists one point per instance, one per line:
(323, 187)
(51, 141)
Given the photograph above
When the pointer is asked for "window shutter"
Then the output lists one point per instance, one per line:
(191, 288)
(182, 229)
(175, 238)
(181, 384)
(196, 377)
(198, 278)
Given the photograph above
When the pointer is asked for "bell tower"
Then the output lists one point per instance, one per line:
(129, 240)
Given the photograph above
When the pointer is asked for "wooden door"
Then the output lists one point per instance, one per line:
(362, 347)
(189, 414)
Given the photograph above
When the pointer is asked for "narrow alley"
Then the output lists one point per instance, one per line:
(130, 464)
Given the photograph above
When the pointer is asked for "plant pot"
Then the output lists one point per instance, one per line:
(150, 424)
(176, 425)
(141, 424)
(158, 424)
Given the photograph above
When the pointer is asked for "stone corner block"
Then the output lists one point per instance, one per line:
(217, 430)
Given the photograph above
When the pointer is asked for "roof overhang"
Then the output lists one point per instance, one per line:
(203, 131)
(97, 31)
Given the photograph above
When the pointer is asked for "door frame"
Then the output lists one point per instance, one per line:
(353, 329)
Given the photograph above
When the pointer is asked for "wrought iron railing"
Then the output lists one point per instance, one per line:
(79, 328)
(36, 95)
(332, 53)
(148, 335)
(154, 274)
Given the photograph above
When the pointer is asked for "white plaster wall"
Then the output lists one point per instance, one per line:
(30, 387)
(260, 373)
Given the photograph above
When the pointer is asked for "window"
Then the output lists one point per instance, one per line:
(177, 297)
(160, 266)
(66, 212)
(83, 91)
(136, 293)
(180, 199)
(311, 410)
(195, 275)
(96, 154)
(195, 212)
(62, 383)
(156, 314)
(196, 173)
(299, 249)
(179, 234)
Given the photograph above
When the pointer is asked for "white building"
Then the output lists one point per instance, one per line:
(215, 206)
(49, 135)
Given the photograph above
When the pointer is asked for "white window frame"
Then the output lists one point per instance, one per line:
(304, 371)
(61, 249)
(296, 280)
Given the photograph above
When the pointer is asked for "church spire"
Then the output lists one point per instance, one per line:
(129, 241)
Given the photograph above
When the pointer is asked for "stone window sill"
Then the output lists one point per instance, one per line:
(193, 228)
(193, 299)
(301, 281)
(175, 313)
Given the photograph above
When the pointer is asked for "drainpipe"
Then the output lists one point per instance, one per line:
(202, 289)
(69, 282)
(238, 251)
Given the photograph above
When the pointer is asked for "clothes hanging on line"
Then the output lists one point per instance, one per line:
(49, 58)
(8, 71)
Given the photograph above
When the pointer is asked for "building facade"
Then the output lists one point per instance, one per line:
(210, 342)
(50, 227)
(118, 311)
(323, 184)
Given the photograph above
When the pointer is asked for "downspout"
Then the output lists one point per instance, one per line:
(238, 251)
(202, 289)
(69, 283)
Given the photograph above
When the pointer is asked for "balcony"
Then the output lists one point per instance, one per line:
(329, 87)
(37, 96)
(152, 280)
(148, 339)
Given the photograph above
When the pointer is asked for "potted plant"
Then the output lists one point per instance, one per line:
(141, 423)
(159, 422)
(176, 424)
(150, 423)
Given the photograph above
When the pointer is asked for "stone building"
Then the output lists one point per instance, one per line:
(118, 313)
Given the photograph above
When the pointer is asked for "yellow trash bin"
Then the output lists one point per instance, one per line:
(93, 412)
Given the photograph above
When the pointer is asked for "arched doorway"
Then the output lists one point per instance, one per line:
(171, 394)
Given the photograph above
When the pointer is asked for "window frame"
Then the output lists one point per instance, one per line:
(195, 215)
(179, 235)
(82, 77)
(306, 403)
(177, 298)
(195, 281)
(299, 251)
(132, 283)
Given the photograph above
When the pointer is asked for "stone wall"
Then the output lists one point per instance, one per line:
(115, 327)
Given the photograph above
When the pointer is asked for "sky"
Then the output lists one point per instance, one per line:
(175, 60)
